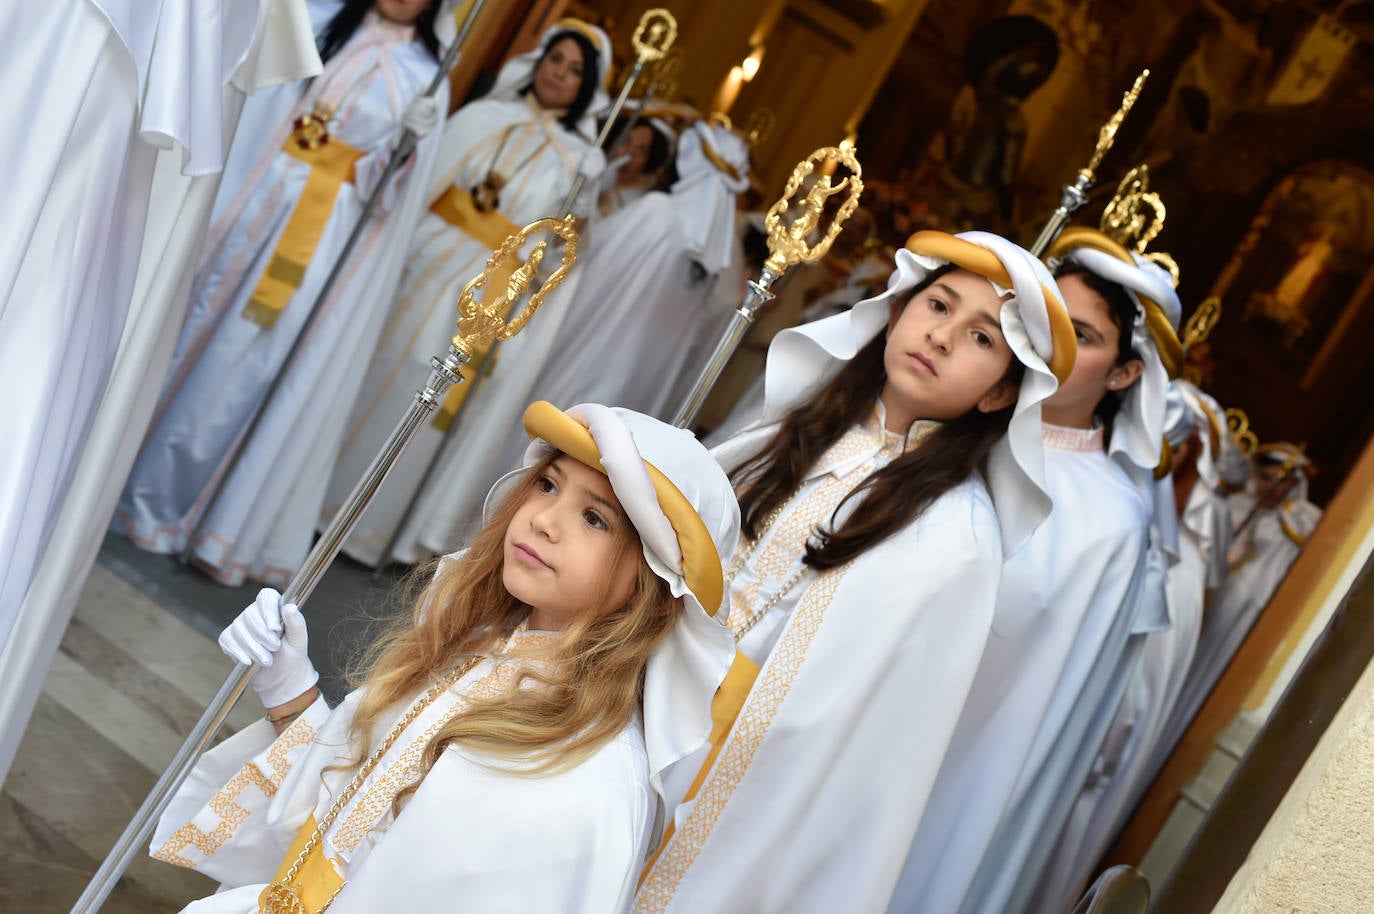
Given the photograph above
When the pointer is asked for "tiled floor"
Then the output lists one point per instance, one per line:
(136, 667)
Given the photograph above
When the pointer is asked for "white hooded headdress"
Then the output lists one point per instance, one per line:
(682, 505)
(1036, 327)
(517, 74)
(1139, 425)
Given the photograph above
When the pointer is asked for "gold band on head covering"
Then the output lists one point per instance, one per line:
(1161, 331)
(715, 159)
(700, 562)
(978, 259)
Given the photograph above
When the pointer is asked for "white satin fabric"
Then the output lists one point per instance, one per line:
(96, 164)
(473, 832)
(262, 525)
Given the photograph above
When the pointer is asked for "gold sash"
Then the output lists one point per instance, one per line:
(491, 228)
(725, 707)
(315, 883)
(331, 166)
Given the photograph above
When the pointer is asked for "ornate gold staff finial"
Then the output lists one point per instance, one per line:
(1200, 325)
(1239, 425)
(787, 242)
(1076, 194)
(655, 34)
(759, 126)
(480, 324)
(1107, 135)
(1135, 216)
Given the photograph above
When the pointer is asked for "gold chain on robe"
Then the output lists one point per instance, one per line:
(458, 209)
(331, 166)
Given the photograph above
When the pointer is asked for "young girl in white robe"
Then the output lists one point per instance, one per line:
(506, 160)
(865, 578)
(305, 158)
(1070, 600)
(507, 748)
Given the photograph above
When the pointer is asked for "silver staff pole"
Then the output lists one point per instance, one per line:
(1076, 194)
(787, 245)
(405, 148)
(655, 34)
(480, 324)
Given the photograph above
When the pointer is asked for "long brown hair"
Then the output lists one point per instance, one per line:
(894, 495)
(552, 716)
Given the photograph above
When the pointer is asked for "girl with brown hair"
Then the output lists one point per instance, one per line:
(864, 581)
(506, 746)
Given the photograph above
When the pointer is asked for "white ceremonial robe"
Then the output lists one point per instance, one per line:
(193, 86)
(262, 525)
(441, 261)
(1068, 599)
(821, 784)
(474, 836)
(641, 314)
(104, 85)
(1259, 560)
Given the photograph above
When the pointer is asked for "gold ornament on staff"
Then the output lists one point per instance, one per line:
(787, 245)
(759, 126)
(1239, 425)
(1135, 217)
(1076, 194)
(787, 242)
(480, 324)
(655, 34)
(1200, 325)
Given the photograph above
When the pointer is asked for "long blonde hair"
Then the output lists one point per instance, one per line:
(585, 692)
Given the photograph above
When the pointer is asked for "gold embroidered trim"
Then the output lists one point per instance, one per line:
(757, 716)
(368, 810)
(1064, 438)
(225, 803)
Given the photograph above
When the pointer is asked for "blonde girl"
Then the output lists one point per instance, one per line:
(505, 749)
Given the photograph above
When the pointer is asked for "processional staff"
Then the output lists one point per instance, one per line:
(652, 38)
(480, 324)
(1076, 194)
(787, 246)
(405, 148)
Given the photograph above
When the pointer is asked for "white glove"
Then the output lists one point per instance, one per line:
(421, 116)
(273, 637)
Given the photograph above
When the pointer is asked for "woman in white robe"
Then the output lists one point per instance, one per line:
(814, 798)
(1070, 600)
(233, 345)
(558, 819)
(517, 152)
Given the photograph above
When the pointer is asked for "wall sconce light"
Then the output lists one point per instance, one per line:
(751, 64)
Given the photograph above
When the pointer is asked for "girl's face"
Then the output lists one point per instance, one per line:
(403, 12)
(945, 353)
(1095, 370)
(636, 150)
(558, 78)
(562, 553)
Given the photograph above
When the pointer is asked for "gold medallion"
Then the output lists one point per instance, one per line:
(312, 129)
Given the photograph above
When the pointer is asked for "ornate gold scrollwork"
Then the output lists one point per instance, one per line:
(1107, 135)
(787, 242)
(1200, 325)
(482, 323)
(655, 34)
(1239, 425)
